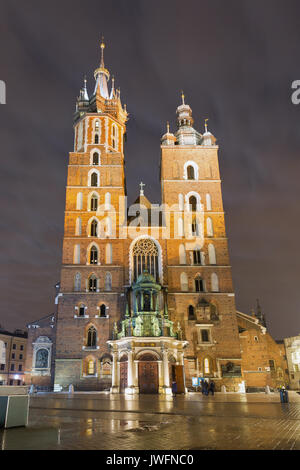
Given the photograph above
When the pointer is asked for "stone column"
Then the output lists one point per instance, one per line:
(166, 386)
(115, 388)
(131, 376)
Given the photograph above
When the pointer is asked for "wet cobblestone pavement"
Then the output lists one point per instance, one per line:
(100, 421)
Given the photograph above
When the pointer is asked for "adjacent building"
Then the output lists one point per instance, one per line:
(292, 347)
(13, 348)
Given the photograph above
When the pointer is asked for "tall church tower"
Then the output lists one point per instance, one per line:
(92, 275)
(201, 295)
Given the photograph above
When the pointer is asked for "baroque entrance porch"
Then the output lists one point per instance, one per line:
(143, 365)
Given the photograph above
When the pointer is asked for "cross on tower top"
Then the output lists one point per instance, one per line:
(142, 185)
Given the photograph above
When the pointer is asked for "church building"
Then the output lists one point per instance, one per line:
(146, 297)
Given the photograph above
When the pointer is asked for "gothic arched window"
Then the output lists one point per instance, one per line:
(103, 310)
(81, 310)
(94, 228)
(193, 203)
(191, 311)
(91, 367)
(93, 283)
(94, 180)
(199, 284)
(94, 203)
(92, 337)
(190, 173)
(206, 364)
(145, 256)
(94, 255)
(114, 137)
(96, 158)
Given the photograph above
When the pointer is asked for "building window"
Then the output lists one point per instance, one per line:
(272, 364)
(197, 257)
(103, 311)
(21, 357)
(191, 311)
(193, 204)
(199, 284)
(14, 346)
(96, 139)
(21, 347)
(195, 228)
(206, 364)
(41, 359)
(205, 336)
(12, 367)
(94, 180)
(2, 366)
(94, 228)
(145, 257)
(92, 337)
(93, 283)
(94, 255)
(20, 368)
(256, 339)
(190, 173)
(91, 368)
(13, 356)
(96, 158)
(11, 382)
(114, 137)
(94, 203)
(81, 311)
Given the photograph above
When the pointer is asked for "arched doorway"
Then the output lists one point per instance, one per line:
(148, 374)
(123, 373)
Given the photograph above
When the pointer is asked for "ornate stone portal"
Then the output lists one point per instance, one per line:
(147, 351)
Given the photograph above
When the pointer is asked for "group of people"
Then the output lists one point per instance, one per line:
(208, 387)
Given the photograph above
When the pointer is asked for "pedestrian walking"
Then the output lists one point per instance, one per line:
(212, 387)
(205, 385)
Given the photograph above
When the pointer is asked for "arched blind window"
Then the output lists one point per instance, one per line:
(145, 256)
(77, 282)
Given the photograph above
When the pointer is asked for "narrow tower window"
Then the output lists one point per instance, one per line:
(94, 228)
(94, 255)
(199, 284)
(190, 173)
(93, 283)
(94, 180)
(92, 337)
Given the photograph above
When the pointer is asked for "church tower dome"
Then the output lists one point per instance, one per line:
(168, 138)
(186, 134)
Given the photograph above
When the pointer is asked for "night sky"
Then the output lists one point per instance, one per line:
(235, 61)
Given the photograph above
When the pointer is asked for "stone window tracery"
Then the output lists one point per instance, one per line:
(145, 256)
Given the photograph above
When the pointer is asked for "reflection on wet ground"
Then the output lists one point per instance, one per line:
(100, 421)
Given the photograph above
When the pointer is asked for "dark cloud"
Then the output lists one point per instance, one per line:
(235, 61)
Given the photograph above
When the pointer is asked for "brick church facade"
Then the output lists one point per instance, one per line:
(146, 295)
